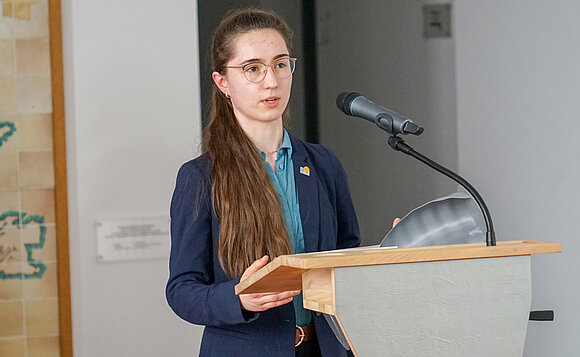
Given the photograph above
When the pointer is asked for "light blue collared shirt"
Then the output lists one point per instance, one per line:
(285, 185)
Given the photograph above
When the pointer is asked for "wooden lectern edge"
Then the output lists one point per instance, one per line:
(374, 255)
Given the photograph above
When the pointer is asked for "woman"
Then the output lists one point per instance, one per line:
(256, 193)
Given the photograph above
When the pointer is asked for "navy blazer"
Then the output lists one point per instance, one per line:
(198, 289)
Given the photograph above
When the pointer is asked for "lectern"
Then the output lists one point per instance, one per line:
(452, 300)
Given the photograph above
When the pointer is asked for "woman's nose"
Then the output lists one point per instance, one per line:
(270, 79)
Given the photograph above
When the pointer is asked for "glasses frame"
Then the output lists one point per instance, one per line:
(294, 59)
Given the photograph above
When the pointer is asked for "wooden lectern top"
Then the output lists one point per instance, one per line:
(285, 272)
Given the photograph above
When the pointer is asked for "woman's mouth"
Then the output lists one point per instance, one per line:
(271, 102)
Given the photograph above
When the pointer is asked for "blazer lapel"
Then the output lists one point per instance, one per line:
(307, 188)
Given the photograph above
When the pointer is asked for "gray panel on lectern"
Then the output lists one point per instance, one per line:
(471, 307)
(454, 219)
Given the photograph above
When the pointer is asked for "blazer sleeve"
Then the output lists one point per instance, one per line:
(191, 290)
(348, 234)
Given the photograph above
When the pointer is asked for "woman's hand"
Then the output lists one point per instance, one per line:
(263, 301)
(396, 221)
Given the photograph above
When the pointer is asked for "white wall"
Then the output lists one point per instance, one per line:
(133, 115)
(377, 48)
(518, 86)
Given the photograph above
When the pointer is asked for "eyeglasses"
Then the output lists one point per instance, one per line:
(256, 71)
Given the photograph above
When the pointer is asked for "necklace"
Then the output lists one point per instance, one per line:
(271, 152)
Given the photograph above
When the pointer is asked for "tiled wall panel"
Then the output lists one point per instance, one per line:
(28, 261)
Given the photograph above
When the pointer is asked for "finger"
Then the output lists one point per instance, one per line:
(257, 295)
(273, 298)
(276, 303)
(290, 292)
(256, 265)
(279, 296)
(396, 221)
(261, 298)
(284, 294)
(265, 301)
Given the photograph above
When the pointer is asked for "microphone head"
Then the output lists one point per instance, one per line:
(344, 100)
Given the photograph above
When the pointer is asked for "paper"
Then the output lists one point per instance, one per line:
(130, 239)
(454, 219)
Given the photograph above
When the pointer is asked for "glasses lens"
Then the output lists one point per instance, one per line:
(284, 67)
(292, 63)
(255, 72)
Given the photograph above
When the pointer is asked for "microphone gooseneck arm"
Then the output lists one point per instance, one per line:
(399, 144)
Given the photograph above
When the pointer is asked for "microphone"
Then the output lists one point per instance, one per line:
(354, 104)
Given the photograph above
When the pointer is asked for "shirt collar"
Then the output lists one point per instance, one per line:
(287, 144)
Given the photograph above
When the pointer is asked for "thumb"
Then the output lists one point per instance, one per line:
(396, 221)
(256, 265)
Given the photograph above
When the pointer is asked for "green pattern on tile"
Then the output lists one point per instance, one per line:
(20, 220)
(11, 130)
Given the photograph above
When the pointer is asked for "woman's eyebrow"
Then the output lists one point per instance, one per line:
(252, 60)
(281, 55)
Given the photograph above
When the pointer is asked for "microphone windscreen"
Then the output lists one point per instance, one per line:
(344, 99)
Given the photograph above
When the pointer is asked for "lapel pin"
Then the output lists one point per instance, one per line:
(305, 170)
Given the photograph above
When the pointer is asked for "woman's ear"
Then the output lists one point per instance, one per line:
(221, 82)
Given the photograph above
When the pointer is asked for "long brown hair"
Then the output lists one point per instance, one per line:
(243, 196)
